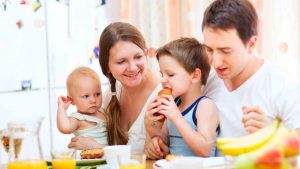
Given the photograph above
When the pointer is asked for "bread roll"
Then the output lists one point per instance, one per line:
(92, 153)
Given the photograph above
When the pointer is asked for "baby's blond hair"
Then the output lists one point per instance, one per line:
(81, 72)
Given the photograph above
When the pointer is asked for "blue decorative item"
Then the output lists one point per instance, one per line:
(96, 52)
(26, 84)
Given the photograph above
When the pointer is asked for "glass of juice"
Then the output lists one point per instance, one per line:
(24, 146)
(63, 159)
(27, 164)
(137, 161)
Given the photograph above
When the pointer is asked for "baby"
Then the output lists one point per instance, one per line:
(84, 91)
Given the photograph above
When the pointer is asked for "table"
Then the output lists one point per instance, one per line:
(149, 164)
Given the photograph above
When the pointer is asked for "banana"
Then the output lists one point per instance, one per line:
(244, 144)
(253, 159)
(222, 141)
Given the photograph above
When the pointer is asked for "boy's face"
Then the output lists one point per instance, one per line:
(227, 54)
(174, 75)
(86, 95)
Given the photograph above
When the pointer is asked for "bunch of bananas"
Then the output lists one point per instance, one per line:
(268, 148)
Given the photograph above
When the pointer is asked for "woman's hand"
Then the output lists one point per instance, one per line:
(82, 143)
(155, 148)
(254, 119)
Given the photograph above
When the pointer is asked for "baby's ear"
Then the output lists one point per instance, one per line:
(70, 99)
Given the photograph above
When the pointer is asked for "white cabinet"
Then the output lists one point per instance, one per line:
(44, 56)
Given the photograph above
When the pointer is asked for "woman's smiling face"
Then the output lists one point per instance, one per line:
(127, 63)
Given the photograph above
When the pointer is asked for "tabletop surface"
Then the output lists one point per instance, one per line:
(149, 164)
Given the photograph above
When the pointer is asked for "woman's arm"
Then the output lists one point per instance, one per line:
(82, 143)
(156, 147)
(154, 121)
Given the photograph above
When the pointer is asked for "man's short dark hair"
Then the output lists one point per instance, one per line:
(232, 14)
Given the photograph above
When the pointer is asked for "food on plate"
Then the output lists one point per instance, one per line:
(169, 157)
(92, 153)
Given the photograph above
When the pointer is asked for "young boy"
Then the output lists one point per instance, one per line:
(84, 91)
(192, 119)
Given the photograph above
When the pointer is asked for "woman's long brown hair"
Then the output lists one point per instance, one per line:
(113, 33)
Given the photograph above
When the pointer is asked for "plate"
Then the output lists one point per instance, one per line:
(212, 162)
(86, 162)
(162, 164)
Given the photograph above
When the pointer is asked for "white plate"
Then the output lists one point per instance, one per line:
(213, 161)
(207, 162)
(162, 164)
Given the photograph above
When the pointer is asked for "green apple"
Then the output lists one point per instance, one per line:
(245, 161)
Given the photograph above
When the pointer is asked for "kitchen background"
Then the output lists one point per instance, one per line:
(41, 41)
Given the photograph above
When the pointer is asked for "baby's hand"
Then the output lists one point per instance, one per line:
(63, 102)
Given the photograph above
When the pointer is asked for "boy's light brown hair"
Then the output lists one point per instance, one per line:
(190, 53)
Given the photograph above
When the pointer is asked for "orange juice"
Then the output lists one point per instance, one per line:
(27, 165)
(63, 164)
(132, 166)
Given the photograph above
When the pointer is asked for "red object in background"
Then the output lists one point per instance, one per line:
(19, 24)
(24, 2)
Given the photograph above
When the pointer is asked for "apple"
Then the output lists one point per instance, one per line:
(270, 159)
(291, 145)
(245, 161)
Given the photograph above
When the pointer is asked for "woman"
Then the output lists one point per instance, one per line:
(123, 60)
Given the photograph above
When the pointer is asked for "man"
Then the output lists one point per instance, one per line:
(253, 92)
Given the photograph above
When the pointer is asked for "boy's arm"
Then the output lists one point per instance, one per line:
(200, 141)
(65, 124)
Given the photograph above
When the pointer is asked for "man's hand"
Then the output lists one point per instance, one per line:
(254, 119)
(156, 148)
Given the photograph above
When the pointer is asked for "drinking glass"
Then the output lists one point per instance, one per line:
(115, 155)
(24, 146)
(137, 161)
(63, 159)
(4, 147)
